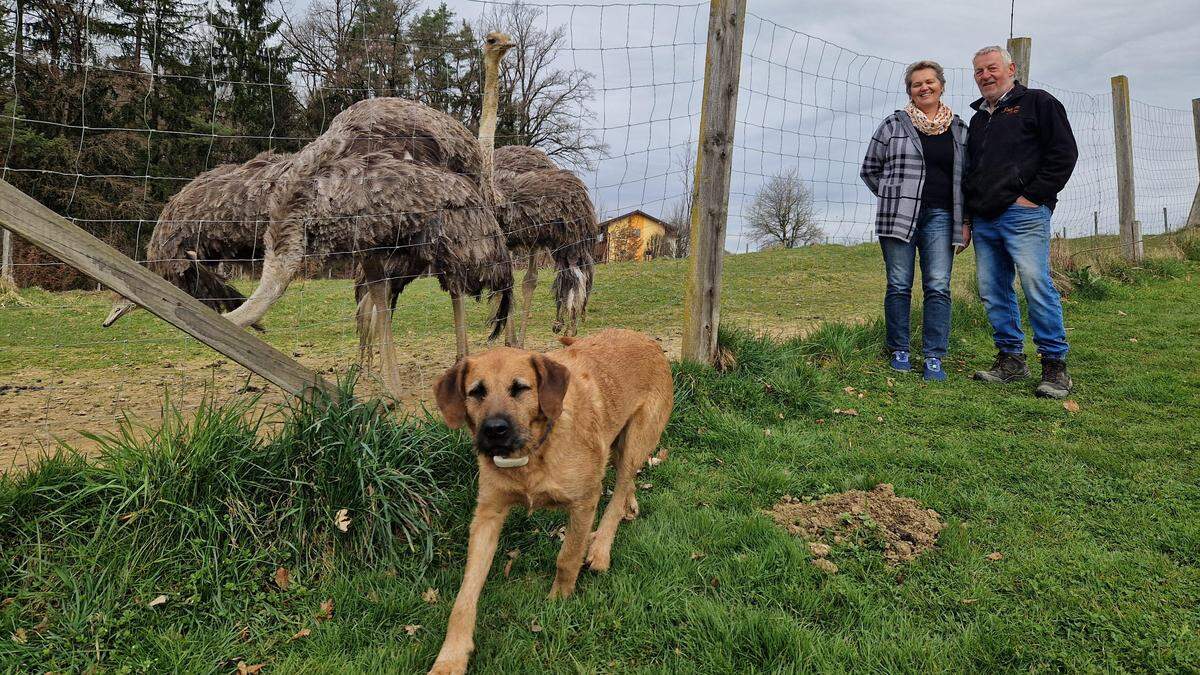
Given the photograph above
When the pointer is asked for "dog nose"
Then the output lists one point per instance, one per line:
(497, 427)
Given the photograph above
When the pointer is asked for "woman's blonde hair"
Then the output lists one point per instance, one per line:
(923, 65)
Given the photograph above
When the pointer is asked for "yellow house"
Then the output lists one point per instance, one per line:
(636, 236)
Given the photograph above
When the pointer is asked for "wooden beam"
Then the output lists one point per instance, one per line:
(51, 232)
(1131, 235)
(710, 195)
(1021, 49)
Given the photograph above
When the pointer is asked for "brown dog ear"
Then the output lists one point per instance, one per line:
(451, 399)
(553, 378)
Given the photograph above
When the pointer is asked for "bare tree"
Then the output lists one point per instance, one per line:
(783, 214)
(542, 105)
(680, 215)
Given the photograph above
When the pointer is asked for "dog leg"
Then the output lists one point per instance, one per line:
(632, 448)
(570, 557)
(485, 533)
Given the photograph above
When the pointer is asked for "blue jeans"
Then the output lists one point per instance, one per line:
(932, 239)
(1018, 241)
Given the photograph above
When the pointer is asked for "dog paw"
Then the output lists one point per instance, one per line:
(599, 553)
(631, 509)
(457, 666)
(560, 591)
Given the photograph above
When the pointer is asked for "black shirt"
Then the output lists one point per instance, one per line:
(938, 192)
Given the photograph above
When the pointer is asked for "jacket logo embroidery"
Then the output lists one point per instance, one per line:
(1013, 110)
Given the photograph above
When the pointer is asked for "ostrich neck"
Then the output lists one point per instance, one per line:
(487, 128)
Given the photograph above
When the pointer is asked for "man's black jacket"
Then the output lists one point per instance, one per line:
(1025, 148)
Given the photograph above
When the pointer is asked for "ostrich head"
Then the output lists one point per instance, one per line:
(120, 308)
(495, 46)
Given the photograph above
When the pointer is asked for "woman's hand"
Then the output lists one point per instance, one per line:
(966, 238)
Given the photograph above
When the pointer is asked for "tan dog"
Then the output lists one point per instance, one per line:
(545, 427)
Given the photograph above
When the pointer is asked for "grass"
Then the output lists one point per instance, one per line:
(1096, 513)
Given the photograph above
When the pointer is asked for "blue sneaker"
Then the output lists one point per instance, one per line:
(933, 370)
(900, 361)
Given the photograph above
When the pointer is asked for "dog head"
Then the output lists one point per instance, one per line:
(506, 397)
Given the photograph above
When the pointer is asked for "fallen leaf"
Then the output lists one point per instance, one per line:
(282, 578)
(560, 534)
(825, 566)
(342, 519)
(412, 628)
(1120, 313)
(766, 432)
(821, 421)
(653, 461)
(879, 419)
(535, 627)
(19, 636)
(780, 415)
(891, 383)
(696, 555)
(302, 633)
(818, 549)
(160, 600)
(995, 555)
(326, 611)
(508, 568)
(126, 517)
(714, 582)
(1133, 340)
(430, 596)
(244, 634)
(244, 669)
(853, 412)
(514, 554)
(848, 390)
(968, 601)
(661, 455)
(862, 394)
(646, 486)
(1071, 406)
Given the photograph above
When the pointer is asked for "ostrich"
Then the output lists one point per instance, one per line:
(397, 186)
(543, 207)
(217, 217)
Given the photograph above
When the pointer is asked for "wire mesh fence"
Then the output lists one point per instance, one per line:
(119, 115)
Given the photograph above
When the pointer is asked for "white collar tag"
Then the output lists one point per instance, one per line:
(510, 462)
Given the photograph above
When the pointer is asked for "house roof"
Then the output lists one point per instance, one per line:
(671, 230)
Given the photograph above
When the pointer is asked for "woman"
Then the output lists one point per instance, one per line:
(914, 165)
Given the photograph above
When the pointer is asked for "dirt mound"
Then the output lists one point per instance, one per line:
(900, 526)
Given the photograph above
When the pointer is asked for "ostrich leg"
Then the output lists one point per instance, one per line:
(377, 315)
(527, 288)
(460, 325)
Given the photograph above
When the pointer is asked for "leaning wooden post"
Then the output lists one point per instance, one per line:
(710, 195)
(1193, 219)
(51, 232)
(1131, 236)
(1020, 48)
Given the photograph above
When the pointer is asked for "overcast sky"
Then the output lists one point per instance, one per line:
(818, 77)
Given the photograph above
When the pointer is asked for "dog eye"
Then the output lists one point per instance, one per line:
(517, 388)
(478, 392)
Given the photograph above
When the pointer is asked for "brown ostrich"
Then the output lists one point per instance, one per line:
(397, 186)
(544, 208)
(219, 217)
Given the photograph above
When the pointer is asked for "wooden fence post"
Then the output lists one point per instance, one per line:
(1020, 48)
(51, 232)
(6, 260)
(710, 195)
(1131, 235)
(1095, 223)
(1193, 219)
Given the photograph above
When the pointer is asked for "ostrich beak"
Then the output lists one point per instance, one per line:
(499, 42)
(119, 309)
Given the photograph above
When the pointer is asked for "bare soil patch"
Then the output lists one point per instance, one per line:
(901, 526)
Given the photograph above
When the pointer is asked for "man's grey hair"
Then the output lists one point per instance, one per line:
(923, 65)
(995, 49)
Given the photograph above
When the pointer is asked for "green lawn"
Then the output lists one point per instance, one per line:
(1096, 513)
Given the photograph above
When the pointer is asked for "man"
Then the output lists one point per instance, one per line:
(1021, 151)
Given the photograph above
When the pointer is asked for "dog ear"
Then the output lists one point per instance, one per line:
(451, 399)
(553, 378)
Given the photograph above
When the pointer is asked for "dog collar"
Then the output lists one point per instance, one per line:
(517, 462)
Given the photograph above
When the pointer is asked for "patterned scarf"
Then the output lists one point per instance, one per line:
(930, 127)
